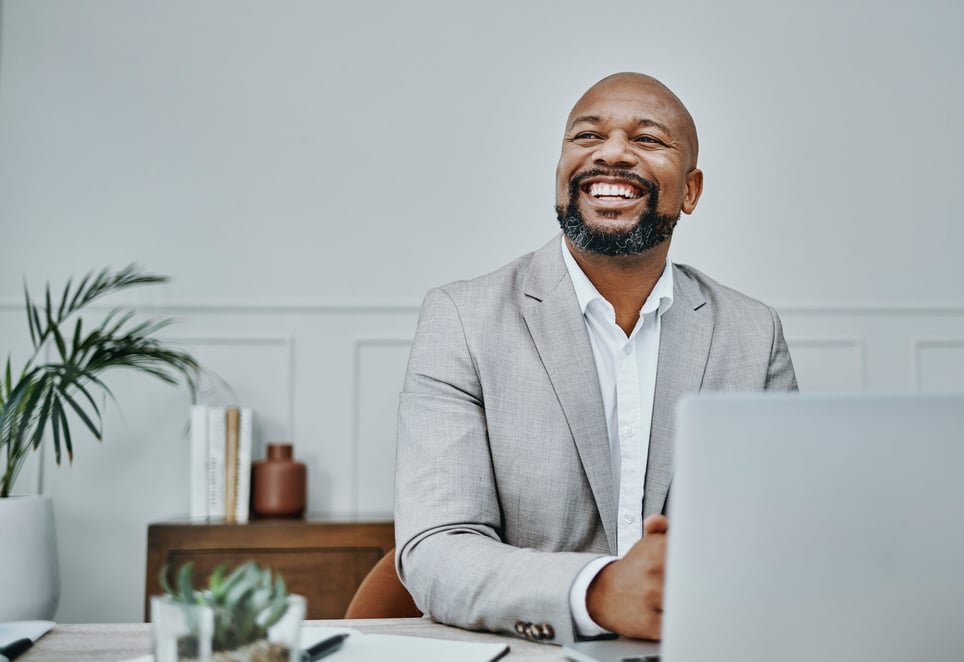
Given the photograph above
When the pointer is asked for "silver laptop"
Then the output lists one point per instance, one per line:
(814, 527)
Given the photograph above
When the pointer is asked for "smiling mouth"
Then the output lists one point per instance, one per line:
(612, 191)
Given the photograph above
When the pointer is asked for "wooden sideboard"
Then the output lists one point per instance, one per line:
(323, 559)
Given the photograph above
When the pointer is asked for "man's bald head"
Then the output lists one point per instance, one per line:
(633, 83)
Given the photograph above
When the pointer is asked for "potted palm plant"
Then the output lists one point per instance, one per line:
(56, 387)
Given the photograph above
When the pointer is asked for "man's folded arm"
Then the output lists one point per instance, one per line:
(451, 554)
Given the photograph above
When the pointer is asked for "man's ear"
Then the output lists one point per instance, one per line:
(694, 187)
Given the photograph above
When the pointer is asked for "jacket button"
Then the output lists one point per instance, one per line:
(547, 631)
(520, 628)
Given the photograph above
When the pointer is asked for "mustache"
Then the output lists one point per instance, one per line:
(647, 186)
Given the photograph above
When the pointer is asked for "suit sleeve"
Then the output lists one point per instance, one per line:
(448, 523)
(780, 373)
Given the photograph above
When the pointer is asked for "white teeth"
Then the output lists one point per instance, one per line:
(610, 190)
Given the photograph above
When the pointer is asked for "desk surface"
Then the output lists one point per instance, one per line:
(123, 641)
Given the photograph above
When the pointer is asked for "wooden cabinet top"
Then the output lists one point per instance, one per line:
(265, 533)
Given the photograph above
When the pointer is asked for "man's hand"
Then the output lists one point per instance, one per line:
(626, 597)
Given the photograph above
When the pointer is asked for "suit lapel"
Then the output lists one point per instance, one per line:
(556, 324)
(684, 346)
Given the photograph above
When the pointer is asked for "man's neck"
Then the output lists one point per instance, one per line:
(624, 281)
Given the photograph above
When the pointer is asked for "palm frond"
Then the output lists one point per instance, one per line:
(7, 382)
(41, 423)
(63, 300)
(39, 399)
(59, 341)
(65, 428)
(33, 319)
(57, 413)
(93, 427)
(75, 302)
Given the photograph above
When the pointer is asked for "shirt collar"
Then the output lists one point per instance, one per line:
(659, 299)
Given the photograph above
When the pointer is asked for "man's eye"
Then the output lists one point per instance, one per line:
(586, 135)
(647, 139)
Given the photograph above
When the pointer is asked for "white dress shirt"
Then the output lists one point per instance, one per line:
(626, 367)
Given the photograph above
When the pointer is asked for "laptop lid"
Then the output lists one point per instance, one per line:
(816, 527)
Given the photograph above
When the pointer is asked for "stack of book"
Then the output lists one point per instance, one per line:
(220, 463)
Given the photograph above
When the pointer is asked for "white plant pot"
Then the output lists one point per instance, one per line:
(29, 571)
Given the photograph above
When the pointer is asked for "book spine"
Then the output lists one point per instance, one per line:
(232, 418)
(217, 433)
(198, 508)
(245, 437)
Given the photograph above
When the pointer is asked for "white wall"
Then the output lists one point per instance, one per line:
(306, 170)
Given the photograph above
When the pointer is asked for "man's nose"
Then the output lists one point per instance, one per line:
(615, 152)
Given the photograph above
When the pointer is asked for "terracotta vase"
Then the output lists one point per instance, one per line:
(279, 484)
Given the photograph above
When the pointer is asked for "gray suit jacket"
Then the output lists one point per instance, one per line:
(503, 485)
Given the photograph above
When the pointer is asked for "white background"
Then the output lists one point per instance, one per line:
(305, 171)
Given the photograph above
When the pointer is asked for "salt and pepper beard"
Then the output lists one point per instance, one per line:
(651, 230)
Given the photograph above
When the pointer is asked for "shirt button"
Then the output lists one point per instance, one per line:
(630, 431)
(628, 349)
(628, 518)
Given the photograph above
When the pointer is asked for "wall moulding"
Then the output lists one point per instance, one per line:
(274, 306)
(942, 371)
(246, 307)
(374, 403)
(829, 363)
(284, 343)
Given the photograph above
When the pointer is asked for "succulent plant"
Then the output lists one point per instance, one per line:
(246, 602)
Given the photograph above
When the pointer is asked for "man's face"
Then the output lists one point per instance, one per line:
(627, 168)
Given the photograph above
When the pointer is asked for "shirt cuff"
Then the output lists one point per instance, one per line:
(585, 626)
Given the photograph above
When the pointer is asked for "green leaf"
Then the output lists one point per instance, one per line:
(162, 580)
(59, 339)
(94, 430)
(185, 583)
(8, 384)
(55, 425)
(49, 310)
(237, 576)
(13, 406)
(35, 316)
(124, 319)
(216, 580)
(79, 293)
(238, 595)
(26, 414)
(34, 329)
(63, 302)
(76, 342)
(277, 609)
(43, 417)
(66, 430)
(90, 399)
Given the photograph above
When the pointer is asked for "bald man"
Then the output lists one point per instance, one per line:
(534, 454)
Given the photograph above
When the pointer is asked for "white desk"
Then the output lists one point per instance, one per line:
(122, 641)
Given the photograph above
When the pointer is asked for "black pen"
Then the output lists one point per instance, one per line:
(14, 649)
(323, 647)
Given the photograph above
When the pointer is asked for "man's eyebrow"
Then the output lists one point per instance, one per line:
(584, 119)
(645, 122)
(640, 121)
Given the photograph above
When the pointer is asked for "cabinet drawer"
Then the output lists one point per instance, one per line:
(321, 560)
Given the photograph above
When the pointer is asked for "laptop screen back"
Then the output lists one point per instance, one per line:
(814, 527)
